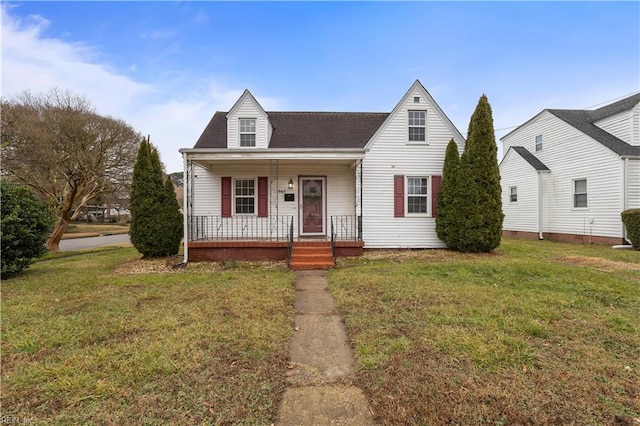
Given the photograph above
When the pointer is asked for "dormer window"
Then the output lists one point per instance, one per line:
(417, 126)
(247, 132)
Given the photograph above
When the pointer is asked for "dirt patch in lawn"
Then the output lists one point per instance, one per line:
(598, 263)
(174, 265)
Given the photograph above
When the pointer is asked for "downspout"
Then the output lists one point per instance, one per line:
(625, 193)
(540, 205)
(186, 181)
(361, 209)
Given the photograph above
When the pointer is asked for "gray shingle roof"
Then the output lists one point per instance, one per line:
(304, 129)
(530, 158)
(583, 120)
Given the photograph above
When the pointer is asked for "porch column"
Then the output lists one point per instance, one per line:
(187, 210)
(273, 197)
(358, 206)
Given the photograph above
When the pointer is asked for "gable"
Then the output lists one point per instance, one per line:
(426, 103)
(586, 122)
(248, 108)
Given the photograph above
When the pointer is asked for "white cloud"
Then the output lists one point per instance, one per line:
(174, 112)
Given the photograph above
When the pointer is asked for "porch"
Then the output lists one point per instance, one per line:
(259, 209)
(217, 238)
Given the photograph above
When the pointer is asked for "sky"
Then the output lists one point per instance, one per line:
(166, 67)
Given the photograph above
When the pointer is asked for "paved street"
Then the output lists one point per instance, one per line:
(92, 242)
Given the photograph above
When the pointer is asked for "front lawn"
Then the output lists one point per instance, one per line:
(535, 333)
(83, 343)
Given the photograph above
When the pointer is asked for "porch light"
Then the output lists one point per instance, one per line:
(290, 185)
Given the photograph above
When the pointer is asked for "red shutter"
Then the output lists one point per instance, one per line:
(225, 210)
(398, 196)
(263, 196)
(435, 188)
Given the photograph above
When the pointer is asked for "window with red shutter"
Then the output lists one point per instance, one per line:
(398, 196)
(225, 210)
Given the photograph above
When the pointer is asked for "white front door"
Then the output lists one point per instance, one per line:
(313, 206)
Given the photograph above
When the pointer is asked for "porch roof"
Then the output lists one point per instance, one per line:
(223, 154)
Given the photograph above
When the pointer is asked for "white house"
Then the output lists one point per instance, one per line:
(258, 183)
(568, 174)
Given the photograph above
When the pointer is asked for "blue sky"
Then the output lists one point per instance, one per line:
(166, 67)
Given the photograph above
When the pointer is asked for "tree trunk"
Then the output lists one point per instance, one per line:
(53, 243)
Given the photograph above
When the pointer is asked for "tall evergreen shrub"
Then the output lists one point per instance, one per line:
(466, 218)
(447, 194)
(483, 204)
(156, 221)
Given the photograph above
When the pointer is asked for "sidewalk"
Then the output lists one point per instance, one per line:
(320, 392)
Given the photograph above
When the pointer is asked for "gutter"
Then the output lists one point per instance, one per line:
(540, 205)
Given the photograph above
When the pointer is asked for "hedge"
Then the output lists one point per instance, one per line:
(631, 220)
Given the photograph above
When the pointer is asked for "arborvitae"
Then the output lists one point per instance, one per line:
(447, 193)
(481, 152)
(155, 216)
(171, 218)
(466, 218)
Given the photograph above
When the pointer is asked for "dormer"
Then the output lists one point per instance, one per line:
(248, 125)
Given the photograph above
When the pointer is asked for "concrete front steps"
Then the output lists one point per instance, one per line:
(309, 255)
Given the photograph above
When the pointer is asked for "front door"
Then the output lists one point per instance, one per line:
(312, 206)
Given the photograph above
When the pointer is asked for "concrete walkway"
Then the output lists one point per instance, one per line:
(320, 392)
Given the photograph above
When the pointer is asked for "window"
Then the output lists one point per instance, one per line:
(539, 143)
(247, 132)
(580, 193)
(513, 194)
(245, 196)
(417, 195)
(417, 126)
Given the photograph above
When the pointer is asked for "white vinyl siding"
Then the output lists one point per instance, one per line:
(517, 174)
(619, 125)
(570, 155)
(340, 189)
(391, 155)
(633, 179)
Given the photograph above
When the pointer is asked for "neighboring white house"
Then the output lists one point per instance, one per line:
(256, 180)
(568, 174)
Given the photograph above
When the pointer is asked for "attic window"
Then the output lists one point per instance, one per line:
(416, 99)
(247, 132)
(417, 126)
(539, 143)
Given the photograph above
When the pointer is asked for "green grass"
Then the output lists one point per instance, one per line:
(84, 345)
(535, 333)
(85, 228)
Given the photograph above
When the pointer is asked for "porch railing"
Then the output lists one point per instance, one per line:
(346, 227)
(240, 228)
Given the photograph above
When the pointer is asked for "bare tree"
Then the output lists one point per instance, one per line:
(58, 145)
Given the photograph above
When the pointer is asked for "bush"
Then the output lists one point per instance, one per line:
(25, 225)
(631, 220)
(447, 194)
(156, 221)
